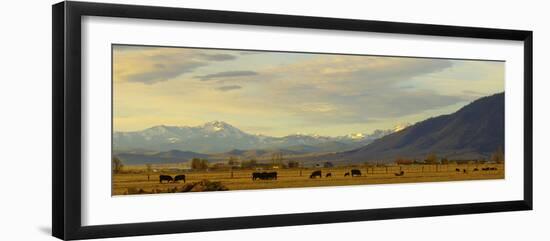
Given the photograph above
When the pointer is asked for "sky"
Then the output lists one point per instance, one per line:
(282, 93)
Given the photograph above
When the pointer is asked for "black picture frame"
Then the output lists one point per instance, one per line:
(66, 75)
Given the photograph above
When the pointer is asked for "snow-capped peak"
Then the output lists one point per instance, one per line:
(356, 136)
(160, 129)
(216, 125)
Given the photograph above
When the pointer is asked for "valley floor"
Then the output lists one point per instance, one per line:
(139, 183)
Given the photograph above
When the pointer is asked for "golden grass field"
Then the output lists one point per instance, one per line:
(135, 177)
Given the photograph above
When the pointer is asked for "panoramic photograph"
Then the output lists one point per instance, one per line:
(197, 119)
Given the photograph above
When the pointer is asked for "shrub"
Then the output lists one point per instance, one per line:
(431, 159)
(203, 186)
(133, 190)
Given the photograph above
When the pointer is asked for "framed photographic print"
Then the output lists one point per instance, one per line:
(169, 120)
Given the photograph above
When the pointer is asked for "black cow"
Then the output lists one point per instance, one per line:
(256, 175)
(475, 169)
(316, 174)
(485, 169)
(179, 178)
(271, 175)
(329, 175)
(493, 168)
(346, 174)
(264, 176)
(401, 173)
(355, 172)
(464, 171)
(166, 178)
(457, 170)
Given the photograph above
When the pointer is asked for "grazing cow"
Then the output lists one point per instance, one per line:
(257, 175)
(264, 176)
(347, 174)
(493, 168)
(457, 170)
(166, 178)
(329, 175)
(475, 169)
(271, 175)
(401, 173)
(179, 178)
(316, 174)
(485, 169)
(355, 172)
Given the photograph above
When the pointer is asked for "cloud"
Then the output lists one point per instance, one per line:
(361, 109)
(386, 105)
(354, 89)
(226, 74)
(218, 57)
(288, 92)
(317, 107)
(371, 69)
(351, 75)
(117, 47)
(473, 92)
(229, 88)
(249, 52)
(150, 65)
(163, 72)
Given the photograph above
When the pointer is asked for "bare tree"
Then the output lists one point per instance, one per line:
(277, 159)
(197, 163)
(293, 164)
(116, 165)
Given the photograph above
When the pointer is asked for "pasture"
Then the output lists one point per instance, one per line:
(137, 177)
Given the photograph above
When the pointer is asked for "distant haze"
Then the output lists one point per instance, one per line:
(278, 94)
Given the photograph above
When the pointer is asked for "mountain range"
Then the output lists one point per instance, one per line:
(475, 131)
(218, 137)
